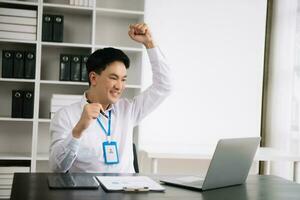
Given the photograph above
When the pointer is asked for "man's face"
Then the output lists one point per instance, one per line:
(110, 84)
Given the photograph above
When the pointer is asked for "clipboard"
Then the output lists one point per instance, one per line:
(129, 184)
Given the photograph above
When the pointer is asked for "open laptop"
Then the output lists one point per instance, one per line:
(229, 166)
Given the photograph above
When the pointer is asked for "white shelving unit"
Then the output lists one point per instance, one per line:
(85, 30)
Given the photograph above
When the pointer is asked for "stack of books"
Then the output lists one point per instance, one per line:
(6, 179)
(86, 3)
(59, 101)
(18, 24)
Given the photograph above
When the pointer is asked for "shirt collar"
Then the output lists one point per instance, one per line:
(84, 102)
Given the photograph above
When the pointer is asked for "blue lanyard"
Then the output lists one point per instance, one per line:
(109, 123)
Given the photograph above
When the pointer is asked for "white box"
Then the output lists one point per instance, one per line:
(6, 175)
(18, 20)
(17, 35)
(8, 187)
(13, 169)
(64, 96)
(17, 28)
(18, 12)
(6, 181)
(5, 193)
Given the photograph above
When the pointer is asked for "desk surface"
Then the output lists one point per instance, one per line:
(33, 186)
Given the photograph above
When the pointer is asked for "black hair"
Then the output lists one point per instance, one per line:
(101, 58)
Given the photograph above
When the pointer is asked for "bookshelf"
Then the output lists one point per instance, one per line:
(86, 29)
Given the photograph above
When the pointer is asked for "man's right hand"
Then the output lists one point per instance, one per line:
(90, 112)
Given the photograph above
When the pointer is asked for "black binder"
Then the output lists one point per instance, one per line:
(29, 65)
(84, 75)
(75, 68)
(47, 27)
(7, 63)
(17, 103)
(28, 104)
(58, 28)
(65, 67)
(18, 70)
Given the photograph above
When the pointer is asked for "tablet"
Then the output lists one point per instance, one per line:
(72, 181)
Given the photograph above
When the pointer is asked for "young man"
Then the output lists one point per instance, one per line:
(95, 134)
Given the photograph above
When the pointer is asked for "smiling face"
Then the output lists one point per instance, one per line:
(109, 85)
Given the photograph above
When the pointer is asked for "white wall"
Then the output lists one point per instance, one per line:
(215, 49)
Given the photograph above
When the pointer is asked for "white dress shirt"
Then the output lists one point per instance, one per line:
(86, 154)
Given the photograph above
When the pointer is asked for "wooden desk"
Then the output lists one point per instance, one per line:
(33, 186)
(265, 154)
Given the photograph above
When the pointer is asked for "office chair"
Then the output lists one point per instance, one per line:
(135, 160)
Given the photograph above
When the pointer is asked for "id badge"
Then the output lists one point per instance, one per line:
(110, 152)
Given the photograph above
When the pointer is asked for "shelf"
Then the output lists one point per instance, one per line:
(18, 41)
(79, 83)
(20, 2)
(58, 44)
(63, 82)
(42, 156)
(126, 49)
(134, 86)
(44, 120)
(63, 8)
(17, 80)
(120, 13)
(15, 156)
(15, 119)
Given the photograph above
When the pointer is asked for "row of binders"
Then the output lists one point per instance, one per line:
(73, 68)
(53, 28)
(18, 64)
(18, 23)
(22, 104)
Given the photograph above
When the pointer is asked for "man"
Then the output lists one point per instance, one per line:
(95, 134)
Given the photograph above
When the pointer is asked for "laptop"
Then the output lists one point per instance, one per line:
(72, 181)
(229, 166)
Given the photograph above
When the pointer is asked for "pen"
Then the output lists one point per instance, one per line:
(102, 113)
(132, 189)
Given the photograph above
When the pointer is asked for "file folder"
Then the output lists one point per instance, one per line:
(58, 28)
(75, 68)
(17, 103)
(7, 63)
(84, 74)
(65, 67)
(28, 104)
(18, 69)
(47, 27)
(29, 65)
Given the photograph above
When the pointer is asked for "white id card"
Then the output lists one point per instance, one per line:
(110, 152)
